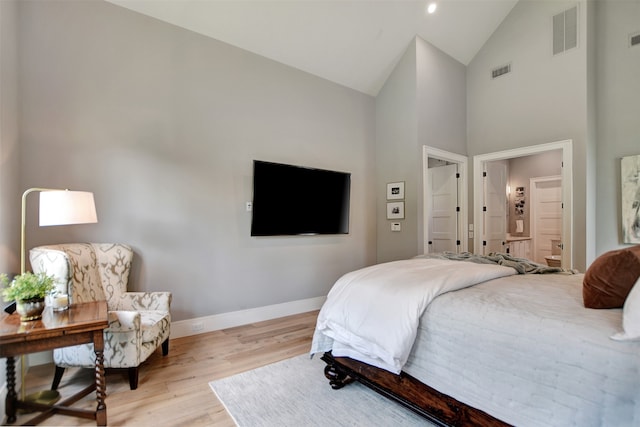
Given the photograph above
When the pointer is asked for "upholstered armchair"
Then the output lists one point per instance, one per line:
(139, 322)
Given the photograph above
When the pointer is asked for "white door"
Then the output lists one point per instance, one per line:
(495, 207)
(443, 203)
(546, 216)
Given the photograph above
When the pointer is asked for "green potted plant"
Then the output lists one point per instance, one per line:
(28, 291)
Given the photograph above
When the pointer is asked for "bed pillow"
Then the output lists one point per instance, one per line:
(609, 279)
(631, 316)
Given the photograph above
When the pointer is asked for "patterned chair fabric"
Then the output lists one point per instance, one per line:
(139, 322)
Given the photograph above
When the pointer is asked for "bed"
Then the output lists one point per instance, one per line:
(499, 349)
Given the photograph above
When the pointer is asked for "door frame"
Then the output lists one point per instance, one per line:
(533, 189)
(566, 147)
(462, 162)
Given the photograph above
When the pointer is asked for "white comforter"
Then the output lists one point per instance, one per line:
(525, 350)
(389, 297)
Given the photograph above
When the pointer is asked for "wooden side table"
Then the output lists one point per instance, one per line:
(80, 324)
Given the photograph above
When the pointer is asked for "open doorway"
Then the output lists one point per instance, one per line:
(444, 201)
(546, 217)
(479, 164)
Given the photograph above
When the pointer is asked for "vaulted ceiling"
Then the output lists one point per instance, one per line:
(355, 43)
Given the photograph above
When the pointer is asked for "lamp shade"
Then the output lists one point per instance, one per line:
(63, 207)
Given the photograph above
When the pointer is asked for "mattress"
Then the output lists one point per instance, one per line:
(525, 350)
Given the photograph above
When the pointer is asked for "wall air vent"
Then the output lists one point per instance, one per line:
(500, 71)
(634, 39)
(565, 30)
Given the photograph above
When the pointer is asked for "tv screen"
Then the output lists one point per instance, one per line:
(294, 200)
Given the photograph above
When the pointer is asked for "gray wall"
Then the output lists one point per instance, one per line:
(422, 103)
(396, 150)
(9, 189)
(441, 99)
(162, 125)
(543, 99)
(618, 95)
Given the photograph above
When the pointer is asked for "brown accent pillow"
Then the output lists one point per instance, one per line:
(609, 279)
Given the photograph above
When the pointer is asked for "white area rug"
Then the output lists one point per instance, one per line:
(295, 392)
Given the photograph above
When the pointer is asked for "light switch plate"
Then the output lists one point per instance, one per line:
(395, 226)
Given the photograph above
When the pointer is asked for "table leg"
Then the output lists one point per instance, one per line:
(12, 397)
(101, 386)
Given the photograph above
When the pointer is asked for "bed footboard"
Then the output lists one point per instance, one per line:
(408, 391)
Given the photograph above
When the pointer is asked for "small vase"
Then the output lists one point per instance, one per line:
(30, 309)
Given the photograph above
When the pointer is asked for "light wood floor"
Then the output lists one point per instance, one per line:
(174, 390)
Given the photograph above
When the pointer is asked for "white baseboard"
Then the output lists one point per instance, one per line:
(200, 325)
(36, 359)
(41, 358)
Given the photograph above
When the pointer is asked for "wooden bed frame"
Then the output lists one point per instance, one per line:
(437, 407)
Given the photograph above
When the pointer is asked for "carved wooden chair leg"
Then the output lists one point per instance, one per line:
(165, 347)
(57, 377)
(133, 378)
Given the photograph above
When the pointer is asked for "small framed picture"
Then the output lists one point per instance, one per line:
(395, 190)
(395, 210)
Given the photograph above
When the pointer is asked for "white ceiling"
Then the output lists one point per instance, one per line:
(355, 43)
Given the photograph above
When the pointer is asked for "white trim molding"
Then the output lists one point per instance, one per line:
(200, 325)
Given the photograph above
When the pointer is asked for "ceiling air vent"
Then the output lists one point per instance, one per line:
(634, 39)
(500, 71)
(565, 30)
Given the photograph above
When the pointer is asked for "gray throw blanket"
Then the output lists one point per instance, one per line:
(521, 265)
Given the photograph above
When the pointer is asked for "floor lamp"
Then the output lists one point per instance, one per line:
(57, 207)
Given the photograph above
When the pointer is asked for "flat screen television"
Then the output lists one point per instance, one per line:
(296, 200)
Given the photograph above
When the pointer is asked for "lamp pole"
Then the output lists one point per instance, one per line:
(24, 224)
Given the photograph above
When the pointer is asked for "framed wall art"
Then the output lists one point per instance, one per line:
(630, 179)
(395, 210)
(519, 201)
(395, 190)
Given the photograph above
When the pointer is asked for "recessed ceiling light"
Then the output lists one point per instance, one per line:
(432, 7)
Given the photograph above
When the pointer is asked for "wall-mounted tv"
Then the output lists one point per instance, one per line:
(296, 200)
